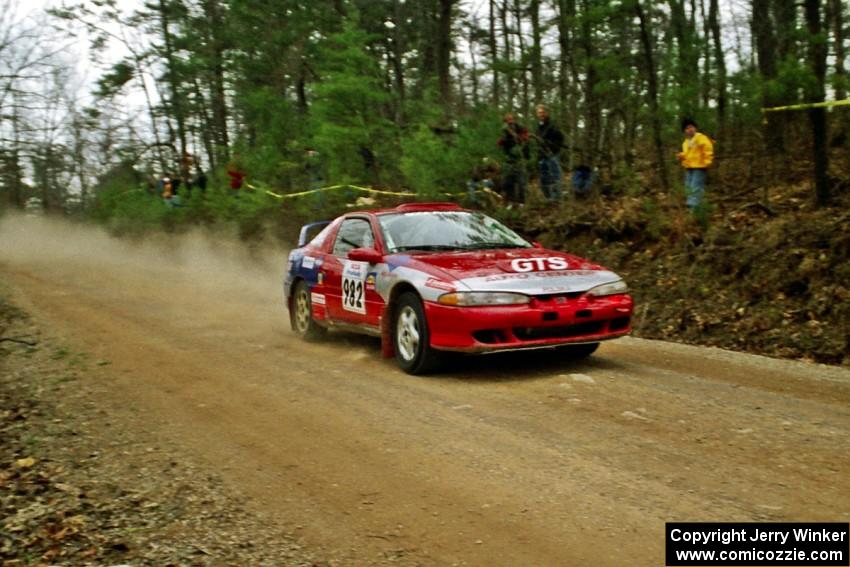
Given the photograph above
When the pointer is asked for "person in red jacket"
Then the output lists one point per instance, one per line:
(237, 176)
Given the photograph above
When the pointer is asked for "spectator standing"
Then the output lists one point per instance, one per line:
(696, 156)
(514, 143)
(550, 140)
(583, 178)
(237, 176)
(168, 187)
(201, 180)
(313, 169)
(485, 177)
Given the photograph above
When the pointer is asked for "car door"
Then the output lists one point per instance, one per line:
(346, 280)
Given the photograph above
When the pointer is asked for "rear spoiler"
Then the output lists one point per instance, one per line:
(306, 231)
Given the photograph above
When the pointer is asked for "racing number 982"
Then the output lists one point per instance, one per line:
(352, 295)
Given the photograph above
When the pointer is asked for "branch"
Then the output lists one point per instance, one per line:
(17, 340)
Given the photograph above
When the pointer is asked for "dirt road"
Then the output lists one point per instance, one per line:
(510, 460)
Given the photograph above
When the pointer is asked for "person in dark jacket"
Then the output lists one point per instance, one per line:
(485, 178)
(514, 143)
(549, 142)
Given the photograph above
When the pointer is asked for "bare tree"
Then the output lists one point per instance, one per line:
(136, 66)
(27, 58)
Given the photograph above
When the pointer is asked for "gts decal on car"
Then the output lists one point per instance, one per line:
(538, 264)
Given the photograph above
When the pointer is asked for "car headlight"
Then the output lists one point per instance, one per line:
(475, 298)
(612, 288)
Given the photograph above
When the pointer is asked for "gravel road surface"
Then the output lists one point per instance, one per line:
(523, 459)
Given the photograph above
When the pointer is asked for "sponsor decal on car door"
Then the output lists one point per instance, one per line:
(354, 286)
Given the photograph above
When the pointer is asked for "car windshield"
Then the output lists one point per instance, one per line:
(428, 231)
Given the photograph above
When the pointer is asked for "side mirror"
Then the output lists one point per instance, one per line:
(369, 255)
(537, 244)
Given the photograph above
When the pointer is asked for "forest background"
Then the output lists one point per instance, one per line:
(407, 96)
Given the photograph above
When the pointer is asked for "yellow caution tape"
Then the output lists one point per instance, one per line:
(488, 190)
(333, 188)
(827, 104)
(358, 188)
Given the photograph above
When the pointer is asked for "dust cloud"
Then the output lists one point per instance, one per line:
(199, 260)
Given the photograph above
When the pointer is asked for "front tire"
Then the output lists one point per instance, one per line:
(302, 314)
(411, 339)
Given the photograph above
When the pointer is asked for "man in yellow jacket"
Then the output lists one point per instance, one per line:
(696, 156)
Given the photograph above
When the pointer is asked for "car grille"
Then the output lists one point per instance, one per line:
(490, 336)
(561, 296)
(559, 332)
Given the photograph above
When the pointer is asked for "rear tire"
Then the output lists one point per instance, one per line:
(301, 315)
(411, 339)
(578, 352)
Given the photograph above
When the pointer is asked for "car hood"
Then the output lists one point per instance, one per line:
(532, 271)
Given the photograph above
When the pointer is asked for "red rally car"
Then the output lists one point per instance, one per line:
(434, 277)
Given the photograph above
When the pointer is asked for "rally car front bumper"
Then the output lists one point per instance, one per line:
(541, 323)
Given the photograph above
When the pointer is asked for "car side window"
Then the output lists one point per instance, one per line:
(320, 238)
(354, 233)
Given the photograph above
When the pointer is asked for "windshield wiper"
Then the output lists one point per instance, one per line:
(491, 246)
(425, 247)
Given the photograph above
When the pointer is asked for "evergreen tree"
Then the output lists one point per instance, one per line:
(348, 121)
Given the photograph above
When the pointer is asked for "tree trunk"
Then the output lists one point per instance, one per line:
(687, 63)
(706, 57)
(815, 92)
(218, 99)
(444, 50)
(570, 10)
(564, 38)
(494, 54)
(10, 176)
(785, 15)
(652, 94)
(206, 127)
(301, 90)
(473, 72)
(427, 48)
(80, 165)
(398, 62)
(594, 118)
(13, 171)
(508, 55)
(838, 38)
(536, 52)
(521, 51)
(719, 62)
(140, 75)
(175, 102)
(765, 40)
(839, 78)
